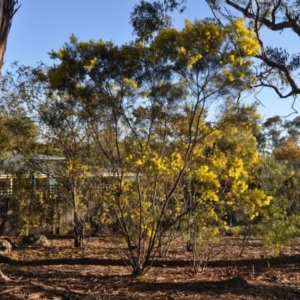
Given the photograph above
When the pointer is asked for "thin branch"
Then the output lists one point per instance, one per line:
(4, 277)
(271, 25)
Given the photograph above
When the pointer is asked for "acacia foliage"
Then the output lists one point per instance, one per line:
(137, 116)
(226, 182)
(277, 65)
(279, 222)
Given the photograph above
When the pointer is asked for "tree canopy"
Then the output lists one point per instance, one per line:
(276, 66)
(141, 111)
(156, 141)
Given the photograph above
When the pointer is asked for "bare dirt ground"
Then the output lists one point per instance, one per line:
(62, 272)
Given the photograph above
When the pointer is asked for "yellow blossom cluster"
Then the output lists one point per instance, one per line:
(236, 169)
(207, 176)
(90, 64)
(199, 39)
(154, 162)
(130, 83)
(245, 38)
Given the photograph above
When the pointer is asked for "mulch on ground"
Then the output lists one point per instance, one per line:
(62, 272)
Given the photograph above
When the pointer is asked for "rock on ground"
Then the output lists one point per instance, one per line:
(35, 240)
(5, 247)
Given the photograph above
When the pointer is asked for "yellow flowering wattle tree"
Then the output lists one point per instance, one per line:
(223, 183)
(147, 112)
(64, 127)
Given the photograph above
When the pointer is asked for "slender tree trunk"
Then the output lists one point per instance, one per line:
(79, 232)
(78, 224)
(7, 10)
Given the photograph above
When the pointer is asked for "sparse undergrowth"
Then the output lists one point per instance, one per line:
(63, 272)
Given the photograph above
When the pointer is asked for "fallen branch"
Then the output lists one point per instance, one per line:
(54, 290)
(4, 277)
(10, 290)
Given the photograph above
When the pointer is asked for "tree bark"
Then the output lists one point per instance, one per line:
(7, 10)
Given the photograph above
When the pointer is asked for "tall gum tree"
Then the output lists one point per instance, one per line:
(278, 67)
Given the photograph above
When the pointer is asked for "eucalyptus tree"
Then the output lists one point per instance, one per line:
(150, 17)
(280, 136)
(278, 66)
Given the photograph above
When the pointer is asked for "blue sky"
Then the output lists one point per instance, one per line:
(42, 25)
